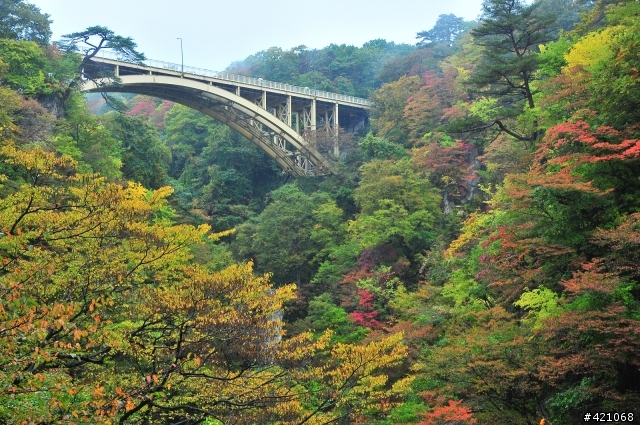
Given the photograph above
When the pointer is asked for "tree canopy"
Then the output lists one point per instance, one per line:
(20, 20)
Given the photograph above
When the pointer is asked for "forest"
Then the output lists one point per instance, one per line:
(474, 259)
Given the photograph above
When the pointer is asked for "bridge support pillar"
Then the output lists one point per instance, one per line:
(289, 112)
(313, 115)
(336, 131)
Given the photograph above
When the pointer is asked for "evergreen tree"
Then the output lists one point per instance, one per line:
(447, 29)
(510, 32)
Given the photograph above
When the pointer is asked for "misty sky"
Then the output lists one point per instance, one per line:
(216, 33)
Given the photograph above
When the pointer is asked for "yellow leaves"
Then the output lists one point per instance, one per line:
(303, 346)
(217, 236)
(35, 161)
(357, 359)
(403, 386)
(351, 374)
(159, 196)
(470, 231)
(105, 281)
(592, 49)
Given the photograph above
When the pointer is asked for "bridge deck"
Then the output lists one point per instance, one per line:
(215, 77)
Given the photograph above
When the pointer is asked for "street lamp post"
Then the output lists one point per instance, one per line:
(181, 55)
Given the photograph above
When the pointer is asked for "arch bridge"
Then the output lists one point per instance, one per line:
(282, 119)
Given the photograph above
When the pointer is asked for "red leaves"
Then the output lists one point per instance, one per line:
(366, 299)
(576, 143)
(366, 318)
(604, 275)
(148, 110)
(453, 413)
(424, 110)
(450, 167)
(144, 107)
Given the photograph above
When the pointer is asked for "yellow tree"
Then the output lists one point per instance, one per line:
(104, 319)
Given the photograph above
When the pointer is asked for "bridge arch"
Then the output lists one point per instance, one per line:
(246, 118)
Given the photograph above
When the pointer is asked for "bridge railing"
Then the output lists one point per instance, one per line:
(257, 82)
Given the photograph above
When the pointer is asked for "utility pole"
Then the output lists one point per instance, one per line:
(181, 55)
(313, 69)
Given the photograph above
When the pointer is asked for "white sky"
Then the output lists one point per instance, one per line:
(216, 33)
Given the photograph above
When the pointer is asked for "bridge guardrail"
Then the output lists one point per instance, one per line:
(257, 82)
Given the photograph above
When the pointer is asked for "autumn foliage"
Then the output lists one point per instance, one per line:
(94, 282)
(474, 259)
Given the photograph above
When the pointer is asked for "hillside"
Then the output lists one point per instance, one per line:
(475, 259)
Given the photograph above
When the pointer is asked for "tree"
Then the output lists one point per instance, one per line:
(103, 318)
(218, 173)
(26, 64)
(390, 101)
(424, 110)
(446, 30)
(145, 158)
(20, 20)
(280, 237)
(378, 148)
(94, 39)
(85, 138)
(90, 42)
(510, 32)
(397, 204)
(10, 102)
(616, 85)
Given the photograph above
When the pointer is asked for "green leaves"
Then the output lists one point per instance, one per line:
(26, 64)
(23, 21)
(145, 158)
(379, 148)
(542, 304)
(398, 205)
(288, 251)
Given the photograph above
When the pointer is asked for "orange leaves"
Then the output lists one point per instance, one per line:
(453, 412)
(77, 334)
(592, 279)
(98, 392)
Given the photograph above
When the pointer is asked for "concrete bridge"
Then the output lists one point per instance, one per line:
(285, 121)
